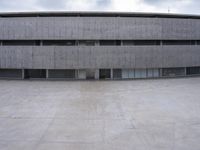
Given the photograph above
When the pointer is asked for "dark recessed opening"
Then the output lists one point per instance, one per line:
(10, 73)
(34, 73)
(193, 70)
(170, 72)
(109, 42)
(59, 42)
(104, 74)
(117, 73)
(90, 74)
(65, 74)
(86, 43)
(18, 42)
(178, 42)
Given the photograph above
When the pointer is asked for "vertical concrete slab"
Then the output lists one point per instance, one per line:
(97, 74)
(81, 74)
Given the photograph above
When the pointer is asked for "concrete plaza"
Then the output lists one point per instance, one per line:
(100, 115)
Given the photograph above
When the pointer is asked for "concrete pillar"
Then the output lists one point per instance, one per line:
(185, 73)
(23, 74)
(96, 43)
(161, 43)
(47, 73)
(81, 74)
(160, 72)
(111, 74)
(97, 74)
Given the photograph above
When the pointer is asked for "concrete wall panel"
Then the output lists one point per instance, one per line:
(98, 28)
(67, 57)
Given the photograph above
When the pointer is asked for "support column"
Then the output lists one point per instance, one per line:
(96, 43)
(161, 43)
(185, 73)
(22, 74)
(41, 43)
(97, 74)
(81, 74)
(160, 72)
(111, 74)
(47, 73)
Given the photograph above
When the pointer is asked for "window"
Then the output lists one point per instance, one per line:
(192, 70)
(104, 74)
(68, 74)
(178, 42)
(34, 73)
(109, 42)
(87, 43)
(58, 43)
(128, 42)
(10, 73)
(147, 42)
(19, 42)
(117, 73)
(170, 72)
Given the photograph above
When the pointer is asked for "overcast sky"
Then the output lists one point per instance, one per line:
(175, 6)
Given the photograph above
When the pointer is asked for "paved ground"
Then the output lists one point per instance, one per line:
(114, 115)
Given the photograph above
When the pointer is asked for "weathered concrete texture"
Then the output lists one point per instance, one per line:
(120, 115)
(67, 57)
(98, 28)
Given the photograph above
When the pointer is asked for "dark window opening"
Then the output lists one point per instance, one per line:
(117, 73)
(68, 74)
(10, 73)
(93, 42)
(178, 42)
(87, 43)
(109, 42)
(104, 74)
(118, 42)
(171, 72)
(128, 42)
(192, 70)
(141, 42)
(147, 42)
(58, 42)
(34, 73)
(90, 74)
(37, 42)
(19, 42)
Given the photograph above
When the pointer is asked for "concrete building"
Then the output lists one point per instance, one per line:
(98, 45)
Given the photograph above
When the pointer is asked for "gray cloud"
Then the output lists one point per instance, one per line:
(103, 2)
(176, 6)
(17, 5)
(6, 4)
(52, 4)
(153, 2)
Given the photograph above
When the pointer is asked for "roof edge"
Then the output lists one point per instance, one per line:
(96, 13)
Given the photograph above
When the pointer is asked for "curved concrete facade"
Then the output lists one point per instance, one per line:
(95, 27)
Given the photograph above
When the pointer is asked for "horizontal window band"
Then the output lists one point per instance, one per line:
(97, 42)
